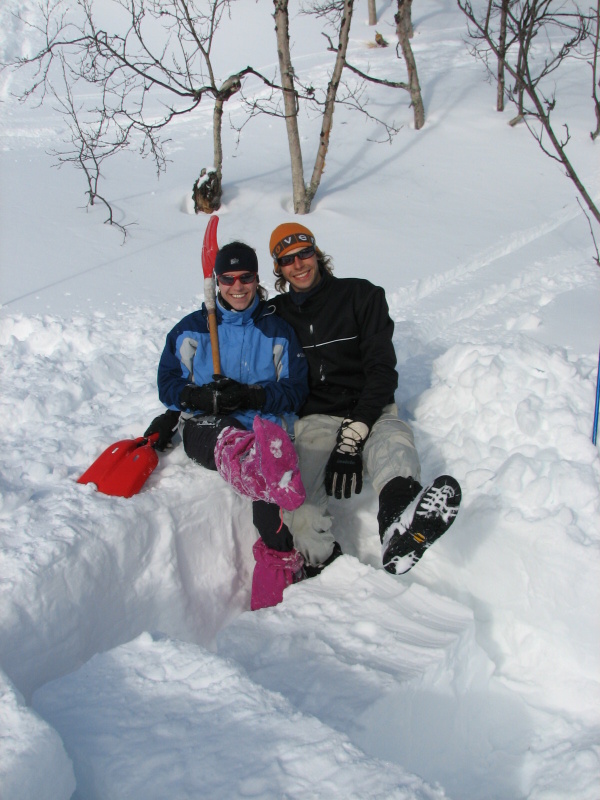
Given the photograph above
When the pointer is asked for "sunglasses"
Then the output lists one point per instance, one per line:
(303, 255)
(229, 280)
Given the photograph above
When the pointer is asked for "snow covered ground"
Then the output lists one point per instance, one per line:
(131, 665)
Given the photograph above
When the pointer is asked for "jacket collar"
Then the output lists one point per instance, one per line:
(233, 317)
(299, 298)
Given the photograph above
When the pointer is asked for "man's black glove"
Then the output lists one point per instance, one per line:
(343, 473)
(222, 396)
(166, 426)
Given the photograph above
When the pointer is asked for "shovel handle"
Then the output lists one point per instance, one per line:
(214, 342)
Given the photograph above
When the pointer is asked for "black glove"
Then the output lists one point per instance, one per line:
(199, 398)
(222, 396)
(233, 395)
(343, 472)
(166, 426)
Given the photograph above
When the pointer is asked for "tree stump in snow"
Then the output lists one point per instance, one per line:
(207, 192)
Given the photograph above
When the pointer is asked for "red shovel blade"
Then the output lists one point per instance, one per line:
(123, 468)
(210, 248)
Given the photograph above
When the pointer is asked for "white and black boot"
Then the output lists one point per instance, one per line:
(408, 529)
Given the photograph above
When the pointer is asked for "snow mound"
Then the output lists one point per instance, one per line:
(33, 762)
(196, 726)
(397, 668)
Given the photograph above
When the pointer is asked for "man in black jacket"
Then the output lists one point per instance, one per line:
(349, 420)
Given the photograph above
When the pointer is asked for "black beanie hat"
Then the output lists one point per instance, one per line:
(236, 257)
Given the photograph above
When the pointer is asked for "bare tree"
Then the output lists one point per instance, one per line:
(153, 67)
(595, 75)
(500, 95)
(303, 194)
(345, 20)
(404, 31)
(290, 102)
(87, 147)
(500, 9)
(562, 30)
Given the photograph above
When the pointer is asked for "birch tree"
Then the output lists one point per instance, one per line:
(304, 193)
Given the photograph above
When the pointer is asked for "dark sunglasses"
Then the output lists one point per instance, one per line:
(303, 255)
(229, 280)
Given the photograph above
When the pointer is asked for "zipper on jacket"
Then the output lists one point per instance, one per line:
(311, 331)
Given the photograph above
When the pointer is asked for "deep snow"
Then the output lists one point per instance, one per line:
(131, 666)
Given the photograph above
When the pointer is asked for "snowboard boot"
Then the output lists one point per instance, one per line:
(407, 532)
(312, 570)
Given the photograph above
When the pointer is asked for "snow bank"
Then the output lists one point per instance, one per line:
(83, 572)
(398, 669)
(531, 480)
(161, 718)
(33, 762)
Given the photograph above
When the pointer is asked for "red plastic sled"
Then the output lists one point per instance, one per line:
(124, 467)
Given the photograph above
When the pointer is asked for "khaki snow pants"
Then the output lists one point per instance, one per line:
(389, 452)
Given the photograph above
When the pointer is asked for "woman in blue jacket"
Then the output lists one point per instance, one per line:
(264, 374)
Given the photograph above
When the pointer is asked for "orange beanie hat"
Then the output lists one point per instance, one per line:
(288, 237)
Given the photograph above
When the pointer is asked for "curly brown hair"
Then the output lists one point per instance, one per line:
(323, 260)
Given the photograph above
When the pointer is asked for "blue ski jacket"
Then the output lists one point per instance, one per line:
(255, 347)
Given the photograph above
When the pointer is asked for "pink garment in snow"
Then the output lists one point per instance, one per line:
(274, 571)
(261, 464)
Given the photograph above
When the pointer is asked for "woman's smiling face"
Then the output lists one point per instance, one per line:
(241, 293)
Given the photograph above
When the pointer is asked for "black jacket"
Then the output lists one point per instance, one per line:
(345, 330)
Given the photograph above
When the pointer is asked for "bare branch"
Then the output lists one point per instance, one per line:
(150, 68)
(528, 21)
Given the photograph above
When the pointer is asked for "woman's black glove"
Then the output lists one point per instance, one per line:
(222, 396)
(343, 473)
(166, 427)
(199, 398)
(234, 395)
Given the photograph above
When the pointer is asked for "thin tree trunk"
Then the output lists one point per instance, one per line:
(403, 31)
(595, 81)
(301, 205)
(217, 141)
(502, 56)
(332, 89)
(523, 60)
(208, 189)
(231, 86)
(405, 12)
(372, 12)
